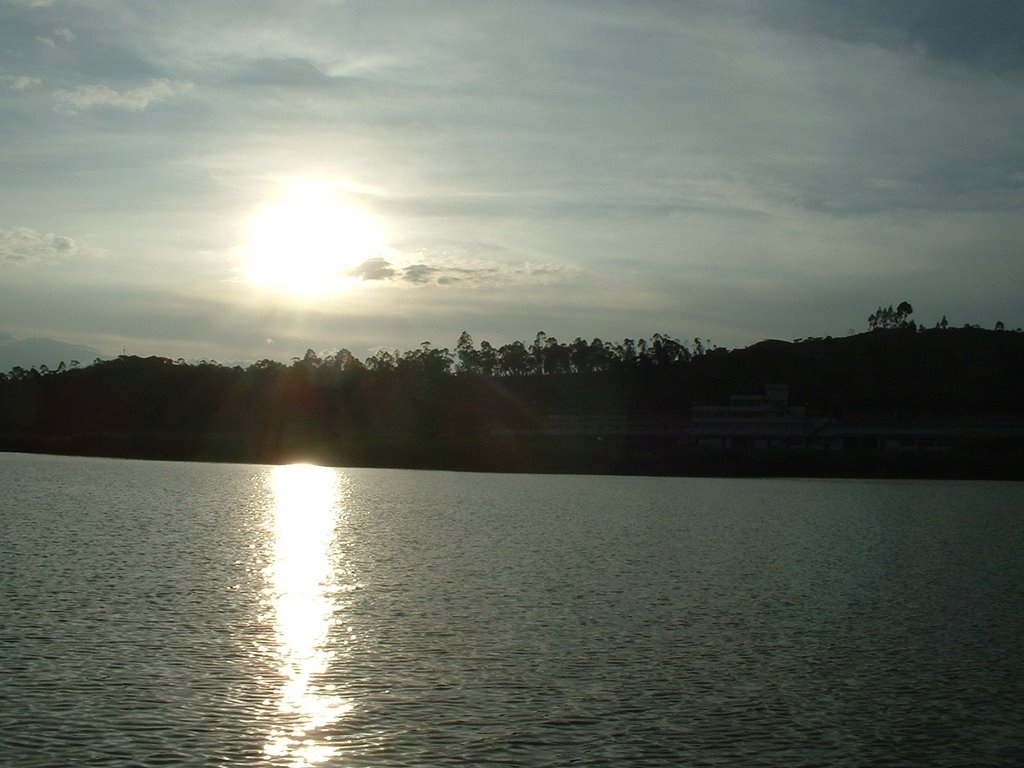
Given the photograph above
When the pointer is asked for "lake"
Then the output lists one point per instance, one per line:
(195, 614)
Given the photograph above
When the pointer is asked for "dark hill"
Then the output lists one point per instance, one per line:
(953, 372)
(549, 407)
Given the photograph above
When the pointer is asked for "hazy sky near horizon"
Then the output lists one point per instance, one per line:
(729, 169)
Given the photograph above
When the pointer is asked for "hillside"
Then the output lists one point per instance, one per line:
(590, 407)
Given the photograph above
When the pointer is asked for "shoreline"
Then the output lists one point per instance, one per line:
(545, 455)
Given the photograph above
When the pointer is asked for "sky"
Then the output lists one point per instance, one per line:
(246, 179)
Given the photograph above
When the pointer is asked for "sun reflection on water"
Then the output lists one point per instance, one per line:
(302, 588)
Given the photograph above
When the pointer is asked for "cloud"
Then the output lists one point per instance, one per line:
(987, 34)
(374, 269)
(26, 246)
(19, 82)
(132, 99)
(63, 34)
(419, 274)
(379, 269)
(443, 273)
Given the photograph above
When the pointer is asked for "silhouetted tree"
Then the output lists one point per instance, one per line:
(667, 351)
(426, 361)
(514, 359)
(884, 318)
(555, 356)
(341, 362)
(467, 355)
(627, 353)
(579, 356)
(537, 352)
(382, 361)
(487, 358)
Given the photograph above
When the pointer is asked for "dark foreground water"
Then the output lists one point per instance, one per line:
(186, 614)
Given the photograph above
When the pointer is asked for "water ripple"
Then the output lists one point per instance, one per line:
(398, 618)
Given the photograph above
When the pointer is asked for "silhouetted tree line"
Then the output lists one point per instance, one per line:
(434, 406)
(544, 356)
(892, 318)
(887, 318)
(321, 399)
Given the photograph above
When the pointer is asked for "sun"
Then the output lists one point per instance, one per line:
(309, 240)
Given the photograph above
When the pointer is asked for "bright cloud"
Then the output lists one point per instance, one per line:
(132, 99)
(26, 246)
(62, 35)
(425, 270)
(19, 82)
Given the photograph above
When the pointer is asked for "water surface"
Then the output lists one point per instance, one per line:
(164, 613)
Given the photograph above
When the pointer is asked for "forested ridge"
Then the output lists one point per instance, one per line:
(475, 406)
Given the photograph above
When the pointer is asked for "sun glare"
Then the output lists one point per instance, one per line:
(303, 587)
(309, 240)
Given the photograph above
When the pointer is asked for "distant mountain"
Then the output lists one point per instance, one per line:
(34, 352)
